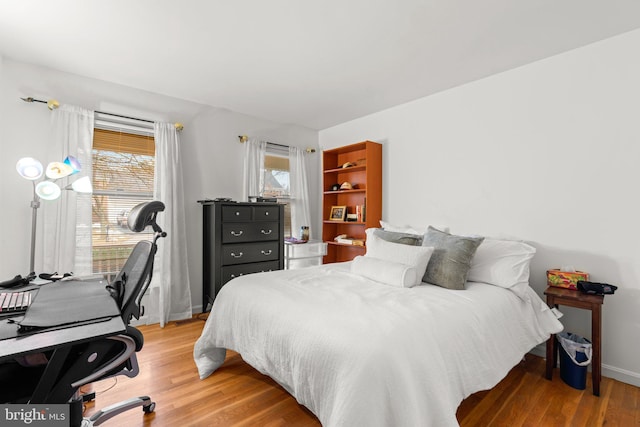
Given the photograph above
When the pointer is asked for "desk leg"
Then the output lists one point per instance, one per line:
(596, 329)
(50, 374)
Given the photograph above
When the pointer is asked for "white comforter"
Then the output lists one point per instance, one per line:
(359, 353)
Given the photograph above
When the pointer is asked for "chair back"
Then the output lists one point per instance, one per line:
(134, 278)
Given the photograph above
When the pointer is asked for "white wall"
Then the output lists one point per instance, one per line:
(547, 152)
(211, 151)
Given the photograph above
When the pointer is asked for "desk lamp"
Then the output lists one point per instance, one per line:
(31, 169)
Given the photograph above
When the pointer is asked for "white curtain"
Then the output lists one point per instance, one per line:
(170, 287)
(66, 241)
(253, 168)
(300, 211)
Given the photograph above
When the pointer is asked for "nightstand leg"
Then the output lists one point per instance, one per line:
(552, 347)
(550, 358)
(596, 329)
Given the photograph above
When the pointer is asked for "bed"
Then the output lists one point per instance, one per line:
(356, 351)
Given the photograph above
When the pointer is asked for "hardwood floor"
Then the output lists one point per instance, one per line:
(237, 395)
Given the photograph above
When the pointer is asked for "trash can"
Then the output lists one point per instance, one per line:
(575, 356)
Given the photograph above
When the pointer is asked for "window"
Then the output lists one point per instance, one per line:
(123, 172)
(276, 184)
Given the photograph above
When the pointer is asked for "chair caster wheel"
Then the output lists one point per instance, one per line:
(149, 408)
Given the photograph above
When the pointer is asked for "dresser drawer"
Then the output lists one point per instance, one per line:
(236, 213)
(249, 232)
(266, 213)
(243, 253)
(233, 271)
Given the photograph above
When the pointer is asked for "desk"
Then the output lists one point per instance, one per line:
(51, 339)
(69, 307)
(57, 303)
(571, 298)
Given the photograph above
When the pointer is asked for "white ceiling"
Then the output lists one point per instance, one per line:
(315, 64)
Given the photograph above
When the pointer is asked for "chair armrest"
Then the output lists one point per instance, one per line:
(130, 348)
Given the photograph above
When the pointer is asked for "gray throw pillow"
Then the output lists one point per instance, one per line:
(396, 237)
(451, 259)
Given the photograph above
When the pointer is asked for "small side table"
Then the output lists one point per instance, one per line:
(570, 298)
(312, 252)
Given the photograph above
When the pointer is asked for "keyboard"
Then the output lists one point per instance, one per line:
(14, 302)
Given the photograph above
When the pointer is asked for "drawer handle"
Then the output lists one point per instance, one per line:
(266, 213)
(266, 252)
(266, 232)
(239, 255)
(236, 233)
(237, 213)
(233, 275)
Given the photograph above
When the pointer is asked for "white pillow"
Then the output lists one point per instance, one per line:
(409, 229)
(503, 263)
(386, 272)
(413, 256)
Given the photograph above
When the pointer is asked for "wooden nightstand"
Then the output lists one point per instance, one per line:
(570, 298)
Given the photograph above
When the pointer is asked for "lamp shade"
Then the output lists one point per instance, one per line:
(82, 185)
(48, 190)
(29, 168)
(73, 163)
(57, 170)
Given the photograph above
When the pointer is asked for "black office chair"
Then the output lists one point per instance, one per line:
(128, 288)
(72, 367)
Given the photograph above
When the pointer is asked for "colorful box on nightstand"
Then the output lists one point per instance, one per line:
(565, 279)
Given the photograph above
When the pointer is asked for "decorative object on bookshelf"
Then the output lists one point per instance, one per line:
(346, 186)
(338, 213)
(335, 187)
(352, 217)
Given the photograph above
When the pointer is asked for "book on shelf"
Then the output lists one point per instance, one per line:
(350, 241)
(364, 210)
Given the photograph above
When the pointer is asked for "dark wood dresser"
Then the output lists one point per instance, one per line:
(239, 238)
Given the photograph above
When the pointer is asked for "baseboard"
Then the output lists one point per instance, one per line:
(143, 320)
(622, 375)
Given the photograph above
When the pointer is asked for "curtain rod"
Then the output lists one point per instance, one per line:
(245, 138)
(53, 104)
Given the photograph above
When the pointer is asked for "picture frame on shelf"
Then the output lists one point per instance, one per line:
(338, 213)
